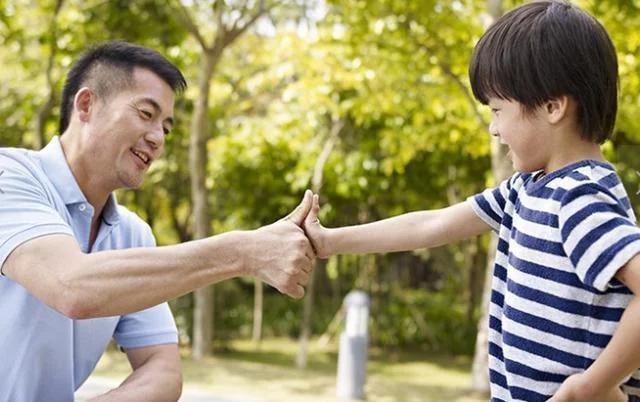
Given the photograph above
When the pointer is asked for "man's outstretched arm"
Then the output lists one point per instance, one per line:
(117, 282)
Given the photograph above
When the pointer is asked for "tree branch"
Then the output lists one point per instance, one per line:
(465, 91)
(187, 20)
(316, 180)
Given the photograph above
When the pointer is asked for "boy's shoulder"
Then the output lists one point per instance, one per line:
(593, 180)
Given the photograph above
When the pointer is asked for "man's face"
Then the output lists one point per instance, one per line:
(128, 129)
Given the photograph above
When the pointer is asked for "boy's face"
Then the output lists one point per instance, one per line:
(524, 134)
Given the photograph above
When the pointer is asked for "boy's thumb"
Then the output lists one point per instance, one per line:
(312, 216)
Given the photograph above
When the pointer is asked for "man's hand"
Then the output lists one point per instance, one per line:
(317, 234)
(576, 388)
(280, 254)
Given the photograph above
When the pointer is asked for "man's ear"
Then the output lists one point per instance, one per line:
(83, 103)
(557, 108)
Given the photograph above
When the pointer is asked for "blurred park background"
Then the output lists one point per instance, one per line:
(365, 101)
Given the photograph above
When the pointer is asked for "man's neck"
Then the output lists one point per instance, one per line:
(93, 190)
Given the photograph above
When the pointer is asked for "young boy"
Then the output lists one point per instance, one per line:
(564, 316)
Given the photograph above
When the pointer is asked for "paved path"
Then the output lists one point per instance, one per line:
(96, 385)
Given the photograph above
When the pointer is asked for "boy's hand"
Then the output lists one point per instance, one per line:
(576, 389)
(317, 234)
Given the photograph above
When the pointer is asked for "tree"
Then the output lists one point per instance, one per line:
(501, 169)
(231, 20)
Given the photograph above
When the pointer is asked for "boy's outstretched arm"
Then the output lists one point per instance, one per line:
(409, 231)
(601, 381)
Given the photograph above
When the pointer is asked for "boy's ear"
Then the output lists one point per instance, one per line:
(83, 103)
(556, 109)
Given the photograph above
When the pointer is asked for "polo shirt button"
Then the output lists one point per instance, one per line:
(82, 207)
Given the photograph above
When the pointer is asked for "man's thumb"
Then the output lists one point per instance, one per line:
(301, 211)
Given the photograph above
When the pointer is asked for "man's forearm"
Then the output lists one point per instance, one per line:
(121, 281)
(151, 382)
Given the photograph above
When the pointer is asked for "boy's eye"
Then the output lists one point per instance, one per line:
(166, 130)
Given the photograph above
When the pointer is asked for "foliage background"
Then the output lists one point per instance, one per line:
(392, 73)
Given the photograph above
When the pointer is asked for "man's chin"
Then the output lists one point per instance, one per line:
(131, 183)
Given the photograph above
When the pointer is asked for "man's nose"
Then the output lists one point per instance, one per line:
(155, 137)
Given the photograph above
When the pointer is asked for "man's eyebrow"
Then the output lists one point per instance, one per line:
(156, 106)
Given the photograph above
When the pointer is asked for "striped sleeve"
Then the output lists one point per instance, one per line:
(598, 235)
(490, 204)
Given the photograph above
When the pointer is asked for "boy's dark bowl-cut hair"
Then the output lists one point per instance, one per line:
(108, 69)
(547, 49)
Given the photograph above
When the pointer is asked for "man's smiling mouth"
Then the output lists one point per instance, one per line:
(144, 157)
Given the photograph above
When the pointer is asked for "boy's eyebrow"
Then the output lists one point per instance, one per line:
(156, 106)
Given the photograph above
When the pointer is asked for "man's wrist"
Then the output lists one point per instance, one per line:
(241, 244)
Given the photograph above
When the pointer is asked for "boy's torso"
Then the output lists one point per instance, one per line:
(545, 322)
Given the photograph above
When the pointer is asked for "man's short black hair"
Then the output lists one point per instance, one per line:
(547, 49)
(108, 69)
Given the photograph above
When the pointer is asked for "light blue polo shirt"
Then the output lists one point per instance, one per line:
(45, 356)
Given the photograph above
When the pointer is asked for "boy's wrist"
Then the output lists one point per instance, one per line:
(590, 386)
(331, 241)
(576, 388)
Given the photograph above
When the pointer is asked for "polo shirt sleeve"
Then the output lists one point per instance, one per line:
(490, 204)
(153, 326)
(598, 235)
(26, 210)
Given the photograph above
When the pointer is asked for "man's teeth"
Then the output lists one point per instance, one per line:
(141, 156)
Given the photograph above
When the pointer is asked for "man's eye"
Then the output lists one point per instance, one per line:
(145, 114)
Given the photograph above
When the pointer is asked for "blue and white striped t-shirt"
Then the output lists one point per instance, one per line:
(555, 302)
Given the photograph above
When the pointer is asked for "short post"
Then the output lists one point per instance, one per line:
(352, 356)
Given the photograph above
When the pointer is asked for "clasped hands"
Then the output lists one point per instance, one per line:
(283, 254)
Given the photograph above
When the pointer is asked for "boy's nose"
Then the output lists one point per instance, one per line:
(493, 130)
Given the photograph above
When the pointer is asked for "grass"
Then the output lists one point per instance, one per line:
(268, 374)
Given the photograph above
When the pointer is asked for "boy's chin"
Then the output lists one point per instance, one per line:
(520, 167)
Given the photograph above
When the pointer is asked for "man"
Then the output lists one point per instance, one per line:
(79, 269)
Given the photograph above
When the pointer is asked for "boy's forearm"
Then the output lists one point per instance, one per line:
(400, 233)
(621, 356)
(414, 230)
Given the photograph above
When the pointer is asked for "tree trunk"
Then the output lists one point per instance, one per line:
(258, 306)
(307, 311)
(44, 111)
(204, 308)
(501, 168)
(316, 185)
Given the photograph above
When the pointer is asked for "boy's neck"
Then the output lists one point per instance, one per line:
(572, 152)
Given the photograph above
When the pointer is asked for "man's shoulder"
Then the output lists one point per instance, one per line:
(18, 159)
(19, 169)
